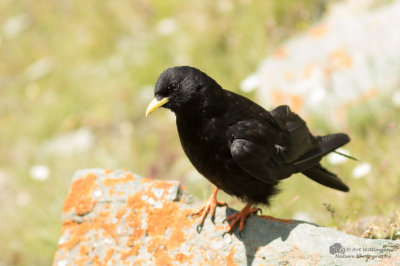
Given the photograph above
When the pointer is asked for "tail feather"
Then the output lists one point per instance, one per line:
(331, 142)
(327, 144)
(326, 178)
(345, 155)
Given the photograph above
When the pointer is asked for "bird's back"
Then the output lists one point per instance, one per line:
(282, 138)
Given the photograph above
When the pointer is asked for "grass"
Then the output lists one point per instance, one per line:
(68, 65)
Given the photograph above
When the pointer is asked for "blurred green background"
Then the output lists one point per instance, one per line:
(75, 80)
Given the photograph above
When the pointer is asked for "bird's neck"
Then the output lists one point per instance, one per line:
(204, 109)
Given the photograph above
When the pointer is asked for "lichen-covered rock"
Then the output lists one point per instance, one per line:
(118, 218)
(345, 59)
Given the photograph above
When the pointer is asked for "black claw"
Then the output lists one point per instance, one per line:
(259, 210)
(222, 236)
(213, 219)
(240, 234)
(198, 228)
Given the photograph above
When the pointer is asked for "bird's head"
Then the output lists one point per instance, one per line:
(182, 89)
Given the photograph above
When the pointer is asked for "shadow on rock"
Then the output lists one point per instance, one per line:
(259, 232)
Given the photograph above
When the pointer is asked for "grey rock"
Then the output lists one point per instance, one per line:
(117, 217)
(348, 57)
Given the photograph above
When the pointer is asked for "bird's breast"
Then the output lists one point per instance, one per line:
(205, 144)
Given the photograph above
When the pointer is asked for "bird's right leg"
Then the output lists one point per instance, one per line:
(209, 207)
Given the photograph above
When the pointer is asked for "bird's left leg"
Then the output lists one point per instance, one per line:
(240, 217)
(209, 207)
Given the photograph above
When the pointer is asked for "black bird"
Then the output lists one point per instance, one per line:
(239, 146)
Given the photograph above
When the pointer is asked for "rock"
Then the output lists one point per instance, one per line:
(78, 141)
(348, 57)
(117, 218)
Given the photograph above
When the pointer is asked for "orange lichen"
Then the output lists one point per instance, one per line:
(157, 247)
(83, 255)
(113, 181)
(176, 239)
(108, 171)
(288, 74)
(162, 258)
(280, 52)
(182, 258)
(220, 227)
(120, 193)
(341, 59)
(278, 97)
(58, 256)
(67, 224)
(178, 236)
(80, 195)
(78, 231)
(96, 261)
(308, 71)
(296, 102)
(206, 261)
(318, 31)
(230, 261)
(108, 255)
(81, 260)
(160, 219)
(135, 222)
(103, 214)
(162, 184)
(84, 250)
(135, 202)
(146, 180)
(110, 229)
(133, 251)
(156, 243)
(139, 206)
(120, 213)
(140, 262)
(371, 93)
(111, 192)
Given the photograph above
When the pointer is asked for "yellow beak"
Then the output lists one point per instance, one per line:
(154, 104)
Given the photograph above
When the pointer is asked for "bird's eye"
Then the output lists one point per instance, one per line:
(173, 86)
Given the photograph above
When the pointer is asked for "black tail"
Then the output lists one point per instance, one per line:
(331, 142)
(326, 144)
(326, 178)
(309, 163)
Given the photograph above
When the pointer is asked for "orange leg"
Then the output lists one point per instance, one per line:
(209, 207)
(240, 217)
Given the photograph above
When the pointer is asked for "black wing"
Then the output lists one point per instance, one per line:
(254, 148)
(268, 147)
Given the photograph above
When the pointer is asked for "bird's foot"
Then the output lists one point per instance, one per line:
(240, 217)
(208, 207)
